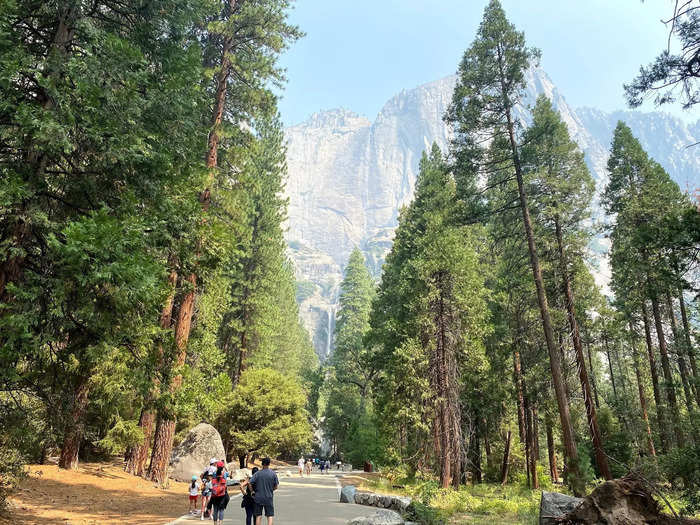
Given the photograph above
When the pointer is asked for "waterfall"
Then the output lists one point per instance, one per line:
(329, 335)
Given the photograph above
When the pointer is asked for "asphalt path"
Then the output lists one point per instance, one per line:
(298, 501)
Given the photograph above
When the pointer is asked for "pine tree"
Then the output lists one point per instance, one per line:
(431, 304)
(557, 169)
(244, 59)
(644, 199)
(490, 85)
(94, 150)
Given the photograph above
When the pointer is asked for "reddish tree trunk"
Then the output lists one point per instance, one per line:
(162, 447)
(668, 377)
(137, 456)
(75, 426)
(165, 429)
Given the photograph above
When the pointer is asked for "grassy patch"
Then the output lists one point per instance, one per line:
(487, 503)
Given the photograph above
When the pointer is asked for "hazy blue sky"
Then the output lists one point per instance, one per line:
(358, 54)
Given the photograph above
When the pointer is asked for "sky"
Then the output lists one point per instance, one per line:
(357, 55)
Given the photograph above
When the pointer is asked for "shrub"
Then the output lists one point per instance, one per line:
(11, 472)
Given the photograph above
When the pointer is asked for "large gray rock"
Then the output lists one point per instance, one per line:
(380, 517)
(555, 505)
(347, 494)
(192, 456)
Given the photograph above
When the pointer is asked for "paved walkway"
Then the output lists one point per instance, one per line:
(298, 501)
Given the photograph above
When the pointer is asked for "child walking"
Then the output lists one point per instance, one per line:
(194, 494)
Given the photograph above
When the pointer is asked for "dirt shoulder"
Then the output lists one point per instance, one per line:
(96, 493)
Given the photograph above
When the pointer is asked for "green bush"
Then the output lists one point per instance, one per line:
(11, 472)
(424, 514)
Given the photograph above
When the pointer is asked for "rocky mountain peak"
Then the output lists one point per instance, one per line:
(348, 177)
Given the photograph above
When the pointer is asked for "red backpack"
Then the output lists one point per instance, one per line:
(218, 486)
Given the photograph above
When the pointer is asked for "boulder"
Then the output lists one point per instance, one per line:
(401, 503)
(347, 494)
(192, 456)
(554, 505)
(380, 517)
(625, 501)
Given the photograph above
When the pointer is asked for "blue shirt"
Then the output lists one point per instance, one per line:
(264, 482)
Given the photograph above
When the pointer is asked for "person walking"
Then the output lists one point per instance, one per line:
(206, 493)
(264, 483)
(300, 464)
(248, 502)
(219, 495)
(194, 494)
(328, 465)
(321, 466)
(308, 467)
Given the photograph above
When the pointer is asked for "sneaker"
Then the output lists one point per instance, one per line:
(201, 518)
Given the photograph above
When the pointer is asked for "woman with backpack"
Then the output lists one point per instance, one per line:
(219, 494)
(248, 502)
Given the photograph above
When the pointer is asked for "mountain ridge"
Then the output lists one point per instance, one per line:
(348, 176)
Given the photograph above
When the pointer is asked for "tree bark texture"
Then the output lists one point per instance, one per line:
(137, 456)
(75, 426)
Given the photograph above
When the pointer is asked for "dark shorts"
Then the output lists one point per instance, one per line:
(269, 509)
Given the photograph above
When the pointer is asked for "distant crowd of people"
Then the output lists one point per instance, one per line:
(212, 487)
(307, 465)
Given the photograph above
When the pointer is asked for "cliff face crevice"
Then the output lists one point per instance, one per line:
(348, 177)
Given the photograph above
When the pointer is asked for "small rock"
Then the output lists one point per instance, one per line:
(380, 517)
(554, 505)
(347, 494)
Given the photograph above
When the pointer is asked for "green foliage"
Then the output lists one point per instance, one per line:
(11, 472)
(267, 415)
(684, 464)
(672, 76)
(122, 435)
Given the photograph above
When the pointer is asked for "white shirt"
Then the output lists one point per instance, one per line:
(301, 463)
(194, 491)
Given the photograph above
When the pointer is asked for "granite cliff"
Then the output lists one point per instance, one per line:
(349, 176)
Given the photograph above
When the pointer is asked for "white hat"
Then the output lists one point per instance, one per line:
(212, 461)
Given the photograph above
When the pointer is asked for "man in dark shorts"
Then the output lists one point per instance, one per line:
(264, 483)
